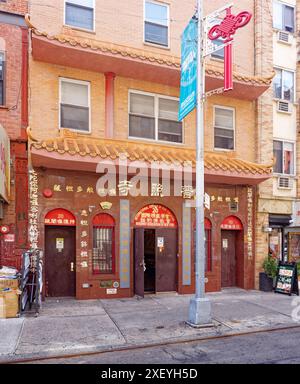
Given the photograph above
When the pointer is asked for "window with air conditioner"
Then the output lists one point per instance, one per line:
(283, 17)
(284, 85)
(75, 105)
(156, 23)
(80, 14)
(154, 117)
(284, 157)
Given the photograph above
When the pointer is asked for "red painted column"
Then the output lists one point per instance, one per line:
(228, 66)
(109, 104)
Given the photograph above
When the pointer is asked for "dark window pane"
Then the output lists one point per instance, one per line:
(75, 117)
(157, 34)
(103, 250)
(278, 153)
(1, 93)
(78, 16)
(143, 127)
(277, 84)
(289, 18)
(224, 142)
(170, 131)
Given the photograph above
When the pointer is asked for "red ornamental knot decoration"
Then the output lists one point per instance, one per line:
(225, 31)
(229, 25)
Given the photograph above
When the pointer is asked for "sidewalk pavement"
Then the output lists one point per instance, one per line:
(68, 326)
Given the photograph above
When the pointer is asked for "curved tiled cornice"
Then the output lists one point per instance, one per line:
(138, 54)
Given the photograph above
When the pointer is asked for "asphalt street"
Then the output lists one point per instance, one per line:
(277, 347)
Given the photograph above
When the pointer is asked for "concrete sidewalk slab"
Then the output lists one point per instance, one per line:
(10, 331)
(60, 334)
(67, 326)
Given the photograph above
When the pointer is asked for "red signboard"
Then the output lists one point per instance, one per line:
(232, 223)
(60, 217)
(155, 216)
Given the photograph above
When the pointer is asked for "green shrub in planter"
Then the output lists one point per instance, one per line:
(270, 266)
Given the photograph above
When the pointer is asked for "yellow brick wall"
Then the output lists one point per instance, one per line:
(44, 98)
(121, 22)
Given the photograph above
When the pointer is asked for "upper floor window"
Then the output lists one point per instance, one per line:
(284, 85)
(2, 78)
(80, 14)
(75, 105)
(156, 23)
(224, 128)
(283, 17)
(154, 117)
(284, 157)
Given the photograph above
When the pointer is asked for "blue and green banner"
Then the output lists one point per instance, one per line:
(188, 84)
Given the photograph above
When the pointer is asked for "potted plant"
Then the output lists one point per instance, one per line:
(266, 278)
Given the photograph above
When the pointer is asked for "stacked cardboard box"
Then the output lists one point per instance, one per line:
(9, 298)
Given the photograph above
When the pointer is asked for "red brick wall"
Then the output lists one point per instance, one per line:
(14, 119)
(14, 6)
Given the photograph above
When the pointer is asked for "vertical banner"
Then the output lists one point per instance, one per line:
(188, 83)
(124, 244)
(186, 245)
(4, 164)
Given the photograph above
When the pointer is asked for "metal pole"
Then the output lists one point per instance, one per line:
(200, 307)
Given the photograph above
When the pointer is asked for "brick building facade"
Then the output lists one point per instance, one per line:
(110, 89)
(14, 120)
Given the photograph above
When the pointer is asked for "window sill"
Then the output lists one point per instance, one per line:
(219, 60)
(224, 150)
(75, 131)
(157, 46)
(140, 139)
(4, 107)
(90, 31)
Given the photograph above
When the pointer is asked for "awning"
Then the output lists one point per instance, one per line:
(279, 220)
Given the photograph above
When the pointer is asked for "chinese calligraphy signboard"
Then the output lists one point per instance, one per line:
(60, 217)
(33, 209)
(287, 279)
(155, 216)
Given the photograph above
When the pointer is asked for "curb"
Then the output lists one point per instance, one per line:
(34, 357)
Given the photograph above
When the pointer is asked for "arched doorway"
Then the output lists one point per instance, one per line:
(155, 250)
(232, 255)
(60, 253)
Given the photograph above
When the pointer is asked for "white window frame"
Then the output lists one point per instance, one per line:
(79, 28)
(81, 82)
(156, 96)
(234, 127)
(295, 18)
(144, 21)
(294, 93)
(294, 161)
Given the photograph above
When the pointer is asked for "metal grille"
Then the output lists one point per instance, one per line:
(103, 250)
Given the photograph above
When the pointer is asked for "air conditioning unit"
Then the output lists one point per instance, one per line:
(285, 183)
(284, 37)
(284, 107)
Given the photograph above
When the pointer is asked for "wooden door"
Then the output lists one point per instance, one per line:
(60, 246)
(229, 264)
(139, 262)
(166, 260)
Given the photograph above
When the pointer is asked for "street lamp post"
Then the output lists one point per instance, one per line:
(200, 306)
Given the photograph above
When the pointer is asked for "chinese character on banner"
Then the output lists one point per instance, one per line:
(157, 190)
(124, 187)
(188, 192)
